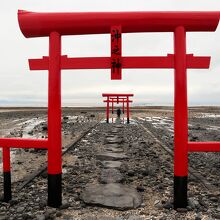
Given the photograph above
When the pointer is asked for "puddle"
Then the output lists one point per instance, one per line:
(119, 121)
(162, 121)
(213, 128)
(159, 122)
(76, 118)
(29, 125)
(208, 115)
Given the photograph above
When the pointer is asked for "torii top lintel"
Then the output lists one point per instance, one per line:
(113, 95)
(34, 24)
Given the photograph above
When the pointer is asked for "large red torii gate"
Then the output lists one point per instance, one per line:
(117, 98)
(54, 25)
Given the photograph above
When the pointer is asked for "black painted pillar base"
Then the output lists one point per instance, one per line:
(7, 186)
(180, 192)
(54, 190)
(128, 120)
(107, 120)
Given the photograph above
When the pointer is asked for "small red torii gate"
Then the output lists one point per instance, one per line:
(117, 98)
(54, 25)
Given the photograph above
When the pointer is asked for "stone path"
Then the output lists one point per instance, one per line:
(110, 192)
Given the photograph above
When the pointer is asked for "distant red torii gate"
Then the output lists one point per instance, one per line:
(54, 25)
(117, 98)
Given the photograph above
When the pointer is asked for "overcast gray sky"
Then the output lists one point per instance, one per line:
(20, 86)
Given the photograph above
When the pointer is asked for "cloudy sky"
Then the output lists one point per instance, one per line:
(21, 87)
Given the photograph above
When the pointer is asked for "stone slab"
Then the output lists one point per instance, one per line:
(119, 126)
(111, 156)
(111, 164)
(110, 135)
(111, 176)
(115, 131)
(112, 195)
(114, 140)
(112, 145)
(114, 149)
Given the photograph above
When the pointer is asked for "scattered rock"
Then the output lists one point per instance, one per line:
(65, 205)
(193, 203)
(182, 210)
(20, 209)
(40, 217)
(198, 216)
(131, 173)
(168, 205)
(44, 128)
(140, 189)
(216, 215)
(135, 217)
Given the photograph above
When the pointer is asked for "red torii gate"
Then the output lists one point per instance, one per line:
(54, 25)
(117, 98)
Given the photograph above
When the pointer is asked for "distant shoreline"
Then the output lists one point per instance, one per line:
(103, 108)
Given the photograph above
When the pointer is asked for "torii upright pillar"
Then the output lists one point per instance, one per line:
(107, 110)
(128, 113)
(54, 122)
(180, 120)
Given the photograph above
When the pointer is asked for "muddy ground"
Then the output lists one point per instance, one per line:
(147, 167)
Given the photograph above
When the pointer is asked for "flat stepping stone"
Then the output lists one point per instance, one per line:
(115, 131)
(112, 145)
(101, 217)
(110, 136)
(112, 195)
(114, 149)
(119, 126)
(111, 164)
(114, 140)
(111, 156)
(111, 176)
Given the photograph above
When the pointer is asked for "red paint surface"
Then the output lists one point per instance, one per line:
(6, 159)
(107, 109)
(112, 107)
(180, 104)
(113, 95)
(33, 24)
(23, 143)
(128, 109)
(116, 52)
(204, 146)
(119, 101)
(165, 62)
(54, 106)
